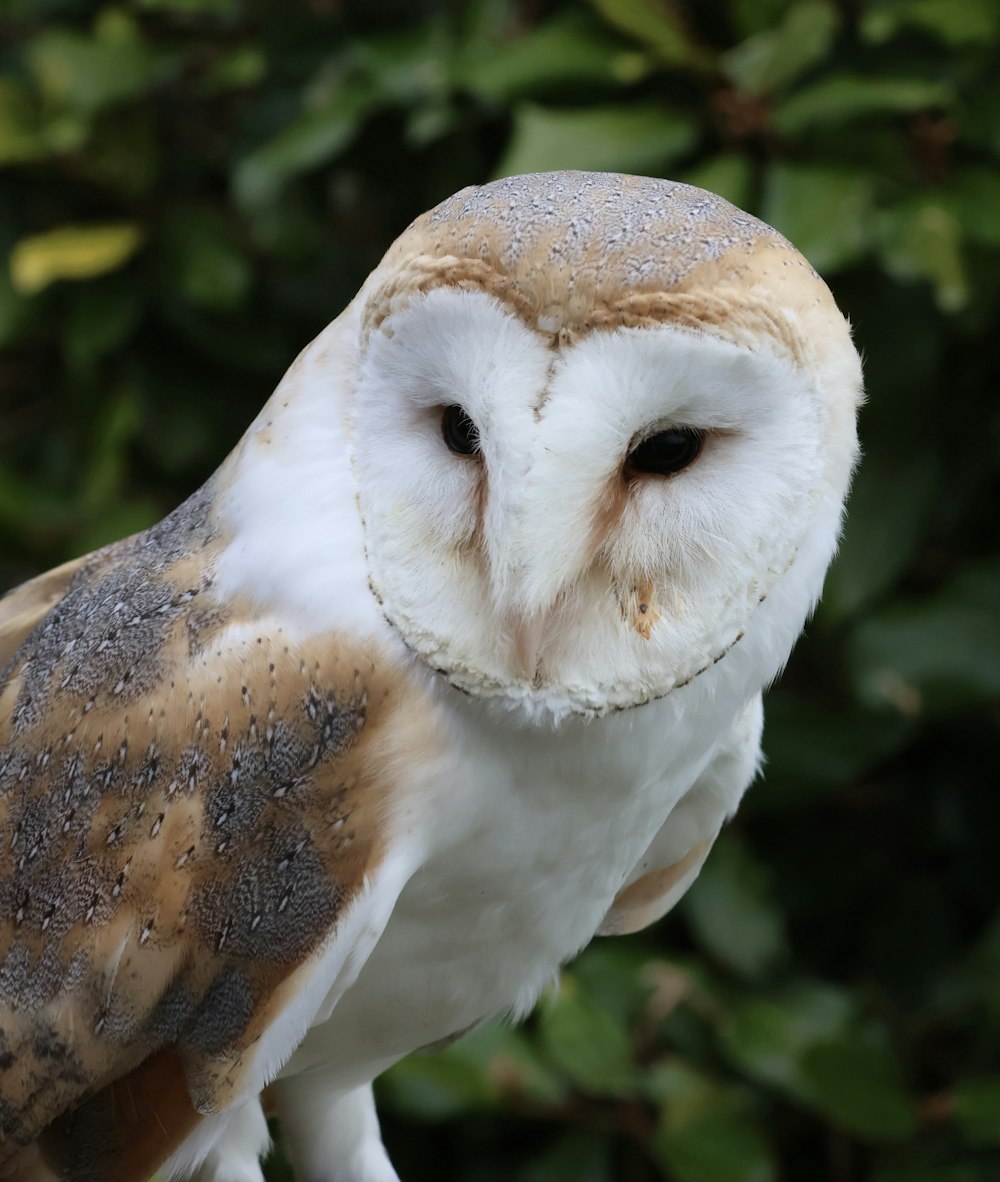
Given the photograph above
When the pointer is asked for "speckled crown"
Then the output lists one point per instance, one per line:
(576, 251)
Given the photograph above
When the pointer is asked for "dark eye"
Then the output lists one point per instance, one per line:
(666, 452)
(459, 432)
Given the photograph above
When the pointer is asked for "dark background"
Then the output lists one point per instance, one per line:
(191, 189)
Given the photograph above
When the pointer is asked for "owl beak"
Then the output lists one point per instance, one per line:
(529, 634)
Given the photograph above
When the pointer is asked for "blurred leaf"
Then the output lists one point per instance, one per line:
(857, 1083)
(732, 912)
(309, 141)
(717, 1147)
(928, 1171)
(768, 1037)
(438, 1087)
(201, 256)
(840, 98)
(111, 432)
(973, 199)
(14, 310)
(90, 72)
(71, 252)
(981, 116)
(938, 653)
(655, 23)
(706, 1133)
(890, 506)
(20, 138)
(633, 138)
(753, 16)
(575, 1157)
(116, 520)
(191, 7)
(922, 239)
(236, 69)
(811, 751)
(122, 153)
(730, 175)
(102, 317)
(564, 50)
(772, 58)
(824, 210)
(953, 22)
(976, 1109)
(585, 1041)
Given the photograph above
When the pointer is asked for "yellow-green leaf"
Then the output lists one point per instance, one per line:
(71, 252)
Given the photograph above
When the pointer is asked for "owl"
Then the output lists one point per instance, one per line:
(454, 663)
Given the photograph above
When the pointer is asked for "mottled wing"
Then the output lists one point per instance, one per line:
(22, 608)
(187, 807)
(678, 852)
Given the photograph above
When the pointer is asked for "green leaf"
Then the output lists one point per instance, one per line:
(940, 653)
(891, 501)
(729, 174)
(657, 25)
(732, 912)
(922, 239)
(767, 1037)
(956, 23)
(706, 1132)
(476, 1073)
(775, 57)
(568, 49)
(437, 1087)
(973, 198)
(928, 1169)
(631, 138)
(71, 252)
(20, 137)
(224, 8)
(839, 98)
(856, 1082)
(716, 1147)
(87, 73)
(753, 16)
(102, 317)
(976, 1109)
(585, 1042)
(307, 142)
(14, 310)
(575, 1157)
(240, 68)
(823, 210)
(201, 256)
(812, 752)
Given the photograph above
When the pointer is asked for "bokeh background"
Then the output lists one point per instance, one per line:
(191, 189)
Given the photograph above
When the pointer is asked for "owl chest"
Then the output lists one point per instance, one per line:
(529, 845)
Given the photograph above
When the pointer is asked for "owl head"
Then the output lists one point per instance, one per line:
(604, 428)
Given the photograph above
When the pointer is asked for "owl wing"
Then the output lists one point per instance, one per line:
(22, 608)
(678, 851)
(190, 848)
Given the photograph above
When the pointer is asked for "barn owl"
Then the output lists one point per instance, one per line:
(454, 663)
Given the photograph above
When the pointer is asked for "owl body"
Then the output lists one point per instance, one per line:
(454, 663)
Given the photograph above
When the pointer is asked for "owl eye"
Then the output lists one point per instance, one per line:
(666, 452)
(459, 431)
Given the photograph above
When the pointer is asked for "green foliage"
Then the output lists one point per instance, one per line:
(191, 189)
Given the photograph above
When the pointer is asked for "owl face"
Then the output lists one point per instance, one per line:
(583, 498)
